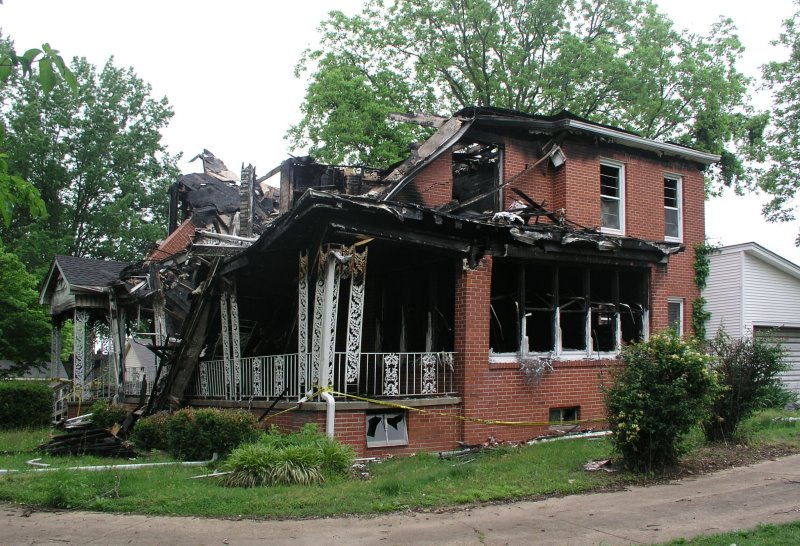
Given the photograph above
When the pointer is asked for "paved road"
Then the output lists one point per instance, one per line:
(768, 492)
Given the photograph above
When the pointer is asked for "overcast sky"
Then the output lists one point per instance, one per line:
(227, 70)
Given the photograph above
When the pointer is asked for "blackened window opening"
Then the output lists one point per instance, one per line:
(566, 308)
(476, 170)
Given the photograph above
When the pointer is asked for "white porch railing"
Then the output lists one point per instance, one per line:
(378, 374)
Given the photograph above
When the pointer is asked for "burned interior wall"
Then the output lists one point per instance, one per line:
(409, 302)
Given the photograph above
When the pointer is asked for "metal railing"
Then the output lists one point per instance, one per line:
(374, 374)
(134, 377)
(100, 384)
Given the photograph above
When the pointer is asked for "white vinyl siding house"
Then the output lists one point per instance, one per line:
(751, 289)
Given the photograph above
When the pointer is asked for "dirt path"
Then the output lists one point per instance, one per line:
(767, 492)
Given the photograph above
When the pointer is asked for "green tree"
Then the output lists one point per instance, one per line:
(47, 66)
(24, 325)
(96, 158)
(780, 179)
(612, 61)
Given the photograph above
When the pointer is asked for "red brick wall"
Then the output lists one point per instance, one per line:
(430, 430)
(576, 187)
(537, 183)
(498, 391)
(433, 186)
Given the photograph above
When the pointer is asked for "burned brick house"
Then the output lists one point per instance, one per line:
(493, 275)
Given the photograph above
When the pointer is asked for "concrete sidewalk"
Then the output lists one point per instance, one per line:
(738, 498)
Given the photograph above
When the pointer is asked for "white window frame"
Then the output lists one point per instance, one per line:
(679, 201)
(402, 440)
(676, 301)
(620, 198)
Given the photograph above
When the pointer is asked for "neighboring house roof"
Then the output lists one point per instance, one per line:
(758, 251)
(137, 354)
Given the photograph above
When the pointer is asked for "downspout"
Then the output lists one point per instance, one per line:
(330, 417)
(325, 345)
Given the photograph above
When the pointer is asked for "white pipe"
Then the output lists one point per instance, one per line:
(330, 419)
(112, 466)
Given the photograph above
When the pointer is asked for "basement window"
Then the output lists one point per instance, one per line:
(560, 415)
(386, 429)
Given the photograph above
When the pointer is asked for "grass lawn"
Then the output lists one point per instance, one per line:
(787, 534)
(420, 482)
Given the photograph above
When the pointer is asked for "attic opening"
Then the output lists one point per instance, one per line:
(563, 309)
(476, 170)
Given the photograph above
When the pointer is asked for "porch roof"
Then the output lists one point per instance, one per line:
(321, 217)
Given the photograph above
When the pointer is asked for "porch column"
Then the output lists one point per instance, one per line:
(55, 349)
(236, 352)
(226, 345)
(80, 321)
(355, 315)
(302, 320)
(326, 304)
(116, 354)
(471, 332)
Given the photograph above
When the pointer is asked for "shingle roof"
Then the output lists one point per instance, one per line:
(88, 271)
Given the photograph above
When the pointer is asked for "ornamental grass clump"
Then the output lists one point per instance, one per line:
(305, 457)
(666, 387)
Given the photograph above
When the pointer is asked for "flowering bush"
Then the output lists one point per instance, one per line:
(666, 387)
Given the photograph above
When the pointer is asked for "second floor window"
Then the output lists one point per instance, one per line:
(612, 197)
(672, 208)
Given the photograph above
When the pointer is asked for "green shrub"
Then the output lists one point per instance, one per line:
(196, 434)
(25, 404)
(748, 370)
(105, 414)
(151, 432)
(664, 389)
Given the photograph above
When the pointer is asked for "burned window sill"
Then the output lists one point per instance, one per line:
(567, 359)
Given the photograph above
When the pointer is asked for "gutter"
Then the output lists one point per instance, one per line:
(627, 139)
